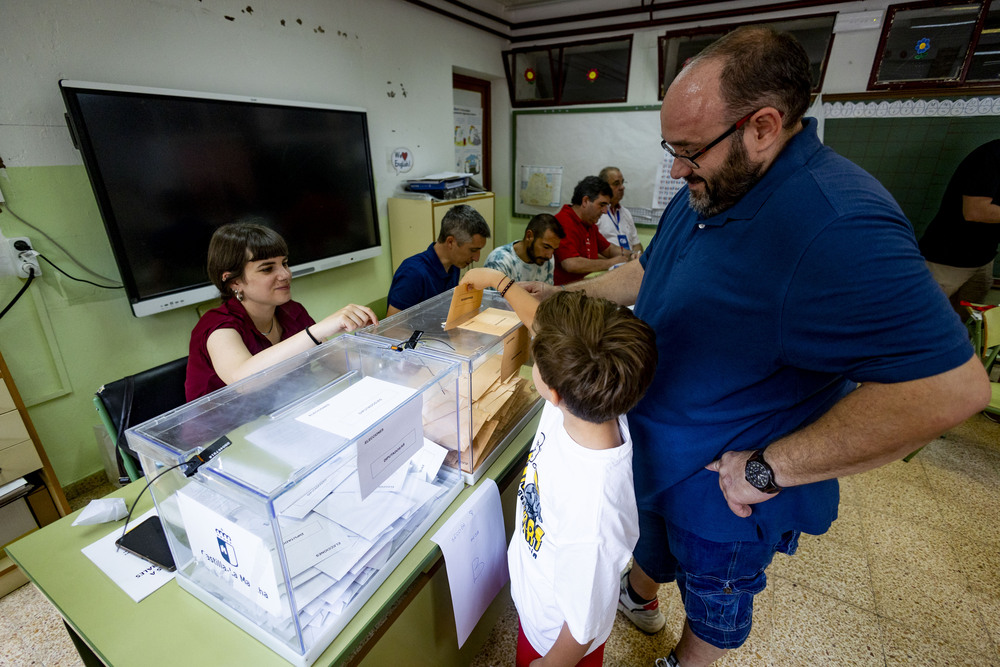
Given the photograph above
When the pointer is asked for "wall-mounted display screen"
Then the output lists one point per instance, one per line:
(168, 167)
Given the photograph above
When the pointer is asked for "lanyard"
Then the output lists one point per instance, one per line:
(616, 219)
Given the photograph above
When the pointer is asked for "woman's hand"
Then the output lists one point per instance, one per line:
(348, 318)
(482, 278)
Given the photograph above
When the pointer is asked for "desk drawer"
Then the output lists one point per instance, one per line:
(15, 520)
(12, 430)
(18, 461)
(6, 400)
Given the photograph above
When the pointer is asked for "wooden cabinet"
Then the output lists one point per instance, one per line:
(414, 223)
(22, 455)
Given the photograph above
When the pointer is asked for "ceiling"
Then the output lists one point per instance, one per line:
(532, 3)
(522, 21)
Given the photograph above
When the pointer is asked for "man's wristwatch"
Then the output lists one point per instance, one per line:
(759, 473)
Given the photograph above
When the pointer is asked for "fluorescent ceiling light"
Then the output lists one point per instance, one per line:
(940, 25)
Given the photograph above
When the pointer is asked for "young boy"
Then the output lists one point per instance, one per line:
(579, 523)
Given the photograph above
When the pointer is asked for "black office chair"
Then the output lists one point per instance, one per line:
(135, 399)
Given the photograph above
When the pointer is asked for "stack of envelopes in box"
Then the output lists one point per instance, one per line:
(481, 331)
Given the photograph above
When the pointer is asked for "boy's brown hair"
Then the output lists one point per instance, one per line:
(597, 355)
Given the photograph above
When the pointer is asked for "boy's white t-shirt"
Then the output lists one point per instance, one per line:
(577, 524)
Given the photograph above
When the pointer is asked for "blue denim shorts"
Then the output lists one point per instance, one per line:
(717, 580)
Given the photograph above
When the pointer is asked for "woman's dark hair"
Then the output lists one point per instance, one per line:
(234, 245)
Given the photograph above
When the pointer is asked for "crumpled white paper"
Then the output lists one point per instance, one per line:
(102, 511)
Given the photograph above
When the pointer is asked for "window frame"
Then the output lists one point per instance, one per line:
(724, 28)
(960, 83)
(556, 67)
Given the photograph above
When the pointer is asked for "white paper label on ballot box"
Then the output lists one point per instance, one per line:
(385, 442)
(232, 552)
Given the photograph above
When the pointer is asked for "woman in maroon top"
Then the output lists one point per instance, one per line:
(257, 324)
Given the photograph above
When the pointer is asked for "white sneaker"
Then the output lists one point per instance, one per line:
(648, 617)
(669, 661)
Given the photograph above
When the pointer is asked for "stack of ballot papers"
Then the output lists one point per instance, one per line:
(494, 403)
(333, 541)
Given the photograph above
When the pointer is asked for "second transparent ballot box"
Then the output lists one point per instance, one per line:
(497, 395)
(322, 480)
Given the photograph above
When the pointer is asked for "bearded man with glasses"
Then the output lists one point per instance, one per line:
(801, 339)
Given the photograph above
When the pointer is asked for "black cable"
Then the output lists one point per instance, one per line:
(135, 502)
(31, 276)
(191, 466)
(6, 207)
(79, 279)
(432, 339)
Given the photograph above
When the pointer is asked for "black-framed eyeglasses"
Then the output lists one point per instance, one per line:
(690, 159)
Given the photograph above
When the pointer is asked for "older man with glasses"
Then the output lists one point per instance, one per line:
(801, 339)
(616, 224)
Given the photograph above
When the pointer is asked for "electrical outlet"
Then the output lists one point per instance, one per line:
(24, 260)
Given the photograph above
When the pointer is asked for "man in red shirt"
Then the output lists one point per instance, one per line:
(584, 250)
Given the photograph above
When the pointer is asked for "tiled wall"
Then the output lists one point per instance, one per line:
(912, 157)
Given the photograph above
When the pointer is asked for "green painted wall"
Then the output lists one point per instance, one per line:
(63, 339)
(913, 158)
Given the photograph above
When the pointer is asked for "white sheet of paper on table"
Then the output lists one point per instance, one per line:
(473, 542)
(137, 577)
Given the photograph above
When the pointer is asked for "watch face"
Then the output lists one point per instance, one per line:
(758, 474)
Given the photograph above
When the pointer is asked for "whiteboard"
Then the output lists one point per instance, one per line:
(583, 142)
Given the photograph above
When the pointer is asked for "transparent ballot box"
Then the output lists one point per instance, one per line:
(497, 396)
(326, 484)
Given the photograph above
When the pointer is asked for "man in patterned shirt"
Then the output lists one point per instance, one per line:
(531, 258)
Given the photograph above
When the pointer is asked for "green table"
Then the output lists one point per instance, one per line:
(408, 620)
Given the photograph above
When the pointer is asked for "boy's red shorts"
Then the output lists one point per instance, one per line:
(526, 652)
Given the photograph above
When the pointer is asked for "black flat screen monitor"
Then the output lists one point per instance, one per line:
(168, 167)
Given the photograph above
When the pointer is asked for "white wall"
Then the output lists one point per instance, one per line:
(64, 338)
(386, 55)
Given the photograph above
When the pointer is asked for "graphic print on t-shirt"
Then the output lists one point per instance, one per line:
(531, 502)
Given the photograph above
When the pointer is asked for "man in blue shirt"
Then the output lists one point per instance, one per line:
(783, 280)
(463, 234)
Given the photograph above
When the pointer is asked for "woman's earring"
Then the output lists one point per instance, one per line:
(239, 296)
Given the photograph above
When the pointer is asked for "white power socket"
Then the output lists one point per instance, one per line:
(23, 261)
